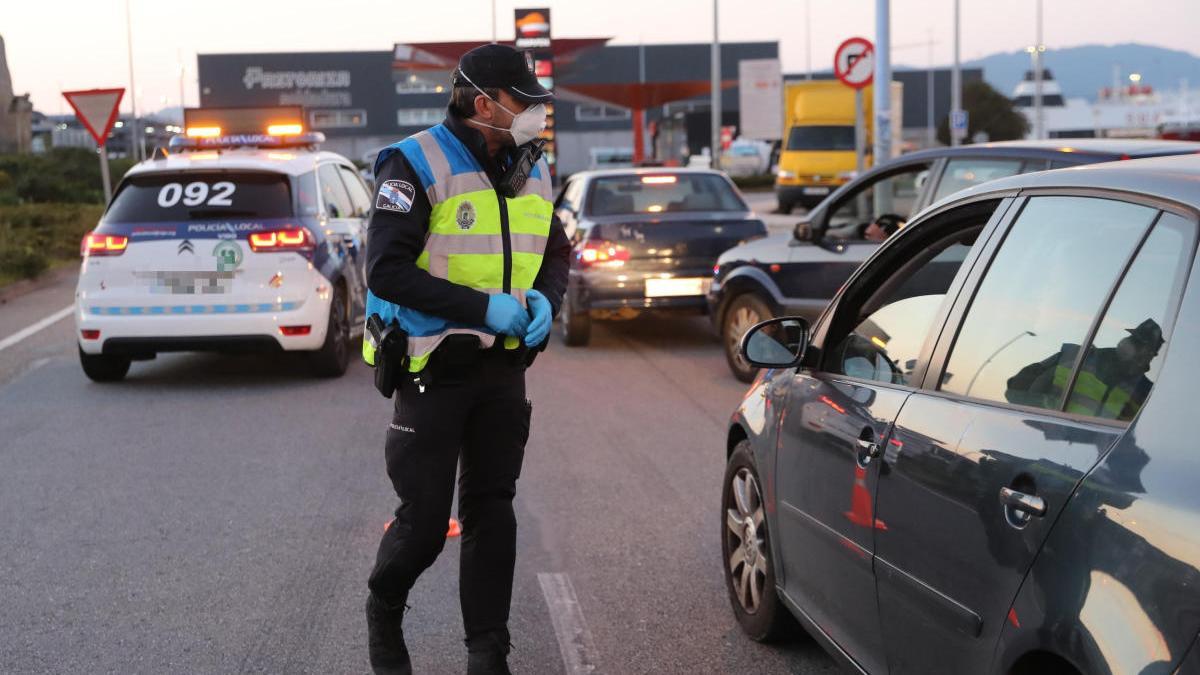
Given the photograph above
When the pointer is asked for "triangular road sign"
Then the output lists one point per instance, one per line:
(97, 109)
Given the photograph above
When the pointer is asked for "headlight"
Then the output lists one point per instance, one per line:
(847, 175)
(786, 174)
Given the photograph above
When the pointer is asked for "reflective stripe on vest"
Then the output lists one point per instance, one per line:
(465, 239)
(1091, 396)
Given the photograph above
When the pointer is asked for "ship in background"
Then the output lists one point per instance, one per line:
(1127, 109)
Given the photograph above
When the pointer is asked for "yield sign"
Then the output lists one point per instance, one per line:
(854, 62)
(97, 109)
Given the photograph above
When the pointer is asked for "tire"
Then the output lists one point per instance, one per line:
(744, 312)
(750, 570)
(785, 207)
(104, 367)
(576, 325)
(332, 359)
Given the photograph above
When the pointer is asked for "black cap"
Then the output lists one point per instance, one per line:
(498, 66)
(1148, 333)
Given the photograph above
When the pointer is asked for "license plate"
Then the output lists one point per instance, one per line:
(661, 288)
(188, 283)
(816, 190)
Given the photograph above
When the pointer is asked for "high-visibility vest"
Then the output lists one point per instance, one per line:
(466, 239)
(1091, 395)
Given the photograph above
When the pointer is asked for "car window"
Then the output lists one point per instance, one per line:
(1126, 355)
(892, 326)
(894, 195)
(305, 186)
(569, 199)
(163, 197)
(821, 138)
(337, 202)
(662, 193)
(1040, 296)
(359, 196)
(962, 173)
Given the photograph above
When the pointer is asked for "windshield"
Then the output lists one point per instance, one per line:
(178, 197)
(664, 193)
(821, 138)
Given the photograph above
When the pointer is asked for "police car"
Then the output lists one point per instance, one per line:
(231, 242)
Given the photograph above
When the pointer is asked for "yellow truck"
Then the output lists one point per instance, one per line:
(817, 153)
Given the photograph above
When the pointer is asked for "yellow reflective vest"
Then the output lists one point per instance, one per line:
(476, 238)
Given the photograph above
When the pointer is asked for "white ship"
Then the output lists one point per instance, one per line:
(1131, 110)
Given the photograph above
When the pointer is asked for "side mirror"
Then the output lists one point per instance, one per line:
(776, 343)
(802, 231)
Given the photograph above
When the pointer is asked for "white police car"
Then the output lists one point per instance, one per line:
(229, 243)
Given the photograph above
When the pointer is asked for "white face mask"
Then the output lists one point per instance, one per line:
(526, 125)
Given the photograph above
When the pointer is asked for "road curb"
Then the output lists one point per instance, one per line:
(25, 286)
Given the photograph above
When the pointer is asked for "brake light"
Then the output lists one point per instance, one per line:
(603, 254)
(103, 244)
(658, 180)
(292, 239)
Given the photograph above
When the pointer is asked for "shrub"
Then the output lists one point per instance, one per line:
(34, 236)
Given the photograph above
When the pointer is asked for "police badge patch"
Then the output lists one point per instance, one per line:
(395, 195)
(465, 216)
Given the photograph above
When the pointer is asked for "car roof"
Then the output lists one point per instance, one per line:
(290, 161)
(638, 171)
(1108, 148)
(1175, 178)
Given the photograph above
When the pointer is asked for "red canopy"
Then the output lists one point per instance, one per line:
(644, 95)
(445, 55)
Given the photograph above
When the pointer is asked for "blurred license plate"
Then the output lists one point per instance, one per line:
(661, 288)
(188, 283)
(816, 190)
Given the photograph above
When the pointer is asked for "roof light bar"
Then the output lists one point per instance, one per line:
(203, 132)
(290, 140)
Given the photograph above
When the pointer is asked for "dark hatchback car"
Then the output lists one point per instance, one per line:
(646, 239)
(798, 273)
(981, 458)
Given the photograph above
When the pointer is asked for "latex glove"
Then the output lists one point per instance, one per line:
(506, 316)
(539, 326)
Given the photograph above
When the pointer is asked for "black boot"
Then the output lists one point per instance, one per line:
(385, 638)
(487, 654)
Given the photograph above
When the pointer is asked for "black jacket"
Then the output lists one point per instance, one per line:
(396, 239)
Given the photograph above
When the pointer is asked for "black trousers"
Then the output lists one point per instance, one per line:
(480, 415)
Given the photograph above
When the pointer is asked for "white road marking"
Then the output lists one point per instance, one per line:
(574, 639)
(30, 330)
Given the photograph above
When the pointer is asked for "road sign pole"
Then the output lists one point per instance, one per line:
(883, 82)
(955, 79)
(859, 132)
(104, 174)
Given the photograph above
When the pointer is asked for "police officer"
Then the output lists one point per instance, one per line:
(466, 258)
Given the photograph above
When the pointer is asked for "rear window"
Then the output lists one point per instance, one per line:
(669, 193)
(201, 196)
(821, 138)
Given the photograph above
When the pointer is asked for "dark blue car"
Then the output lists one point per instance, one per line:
(979, 458)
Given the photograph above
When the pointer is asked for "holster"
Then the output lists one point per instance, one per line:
(391, 355)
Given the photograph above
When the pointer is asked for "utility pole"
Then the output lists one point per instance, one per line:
(715, 103)
(135, 129)
(182, 73)
(493, 21)
(808, 39)
(1039, 49)
(883, 82)
(955, 78)
(930, 125)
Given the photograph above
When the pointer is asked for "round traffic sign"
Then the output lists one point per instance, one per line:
(854, 62)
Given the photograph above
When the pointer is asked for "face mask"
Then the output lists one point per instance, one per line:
(526, 125)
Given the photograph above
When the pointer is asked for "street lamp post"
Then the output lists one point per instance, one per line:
(715, 102)
(955, 78)
(883, 81)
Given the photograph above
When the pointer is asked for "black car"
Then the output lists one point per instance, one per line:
(798, 273)
(981, 457)
(646, 239)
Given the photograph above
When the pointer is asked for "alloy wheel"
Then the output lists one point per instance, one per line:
(741, 320)
(746, 538)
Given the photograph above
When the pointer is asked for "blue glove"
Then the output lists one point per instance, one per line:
(506, 316)
(539, 326)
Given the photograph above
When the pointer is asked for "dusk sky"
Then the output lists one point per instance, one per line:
(80, 44)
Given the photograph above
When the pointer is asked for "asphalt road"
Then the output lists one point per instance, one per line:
(219, 514)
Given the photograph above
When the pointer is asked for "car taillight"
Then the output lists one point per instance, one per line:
(603, 254)
(292, 331)
(293, 239)
(103, 244)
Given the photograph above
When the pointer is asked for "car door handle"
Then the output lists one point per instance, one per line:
(1019, 501)
(870, 448)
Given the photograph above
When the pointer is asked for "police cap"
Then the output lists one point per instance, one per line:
(496, 66)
